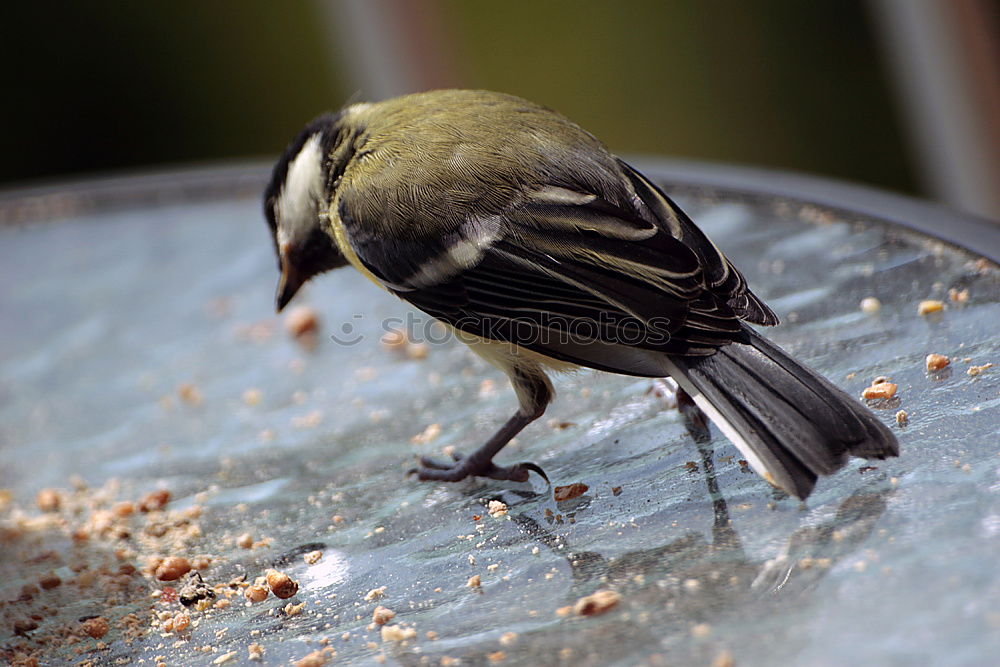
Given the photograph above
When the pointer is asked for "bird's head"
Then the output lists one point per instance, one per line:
(294, 201)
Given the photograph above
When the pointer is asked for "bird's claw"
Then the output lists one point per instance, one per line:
(434, 470)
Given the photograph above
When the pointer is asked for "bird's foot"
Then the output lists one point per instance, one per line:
(444, 471)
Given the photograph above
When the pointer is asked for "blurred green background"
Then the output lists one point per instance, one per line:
(110, 86)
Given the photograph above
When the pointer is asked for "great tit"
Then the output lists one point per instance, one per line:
(543, 251)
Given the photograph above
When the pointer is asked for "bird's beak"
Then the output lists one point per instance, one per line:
(290, 282)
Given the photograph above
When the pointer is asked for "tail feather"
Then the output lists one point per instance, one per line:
(791, 424)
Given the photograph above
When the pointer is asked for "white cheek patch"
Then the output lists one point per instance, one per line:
(303, 188)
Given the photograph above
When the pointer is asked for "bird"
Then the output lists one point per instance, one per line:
(544, 252)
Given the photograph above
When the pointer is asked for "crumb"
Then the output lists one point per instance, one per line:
(49, 581)
(182, 621)
(930, 306)
(448, 661)
(294, 609)
(96, 627)
(313, 557)
(976, 370)
(255, 651)
(936, 362)
(958, 296)
(497, 656)
(382, 615)
(394, 633)
(224, 658)
(256, 593)
(497, 509)
(154, 500)
(302, 322)
(870, 305)
(487, 388)
(701, 630)
(375, 594)
(724, 659)
(190, 394)
(123, 509)
(281, 584)
(49, 500)
(23, 626)
(597, 603)
(880, 390)
(337, 518)
(429, 434)
(902, 418)
(310, 420)
(564, 611)
(253, 396)
(616, 490)
(172, 568)
(475, 581)
(570, 491)
(418, 351)
(316, 658)
(535, 551)
(245, 540)
(508, 638)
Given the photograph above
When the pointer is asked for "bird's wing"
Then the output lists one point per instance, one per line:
(573, 276)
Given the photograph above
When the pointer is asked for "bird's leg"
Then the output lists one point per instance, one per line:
(534, 391)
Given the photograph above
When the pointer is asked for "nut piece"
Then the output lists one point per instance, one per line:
(570, 491)
(936, 362)
(96, 627)
(172, 568)
(880, 390)
(597, 603)
(256, 593)
(958, 296)
(382, 615)
(870, 305)
(475, 581)
(281, 584)
(930, 306)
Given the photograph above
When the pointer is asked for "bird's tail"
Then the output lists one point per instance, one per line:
(790, 424)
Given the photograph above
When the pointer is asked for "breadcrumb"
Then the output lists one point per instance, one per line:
(870, 305)
(936, 362)
(597, 602)
(930, 306)
(497, 509)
